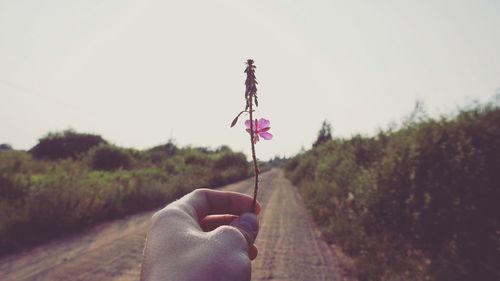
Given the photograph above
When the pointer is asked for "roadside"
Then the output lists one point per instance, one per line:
(290, 246)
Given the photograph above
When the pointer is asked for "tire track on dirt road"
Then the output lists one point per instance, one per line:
(290, 247)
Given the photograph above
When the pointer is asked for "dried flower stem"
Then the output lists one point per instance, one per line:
(251, 96)
(254, 158)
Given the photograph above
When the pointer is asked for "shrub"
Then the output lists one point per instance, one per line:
(40, 200)
(229, 167)
(109, 158)
(13, 187)
(196, 156)
(5, 146)
(67, 144)
(419, 203)
(230, 160)
(160, 153)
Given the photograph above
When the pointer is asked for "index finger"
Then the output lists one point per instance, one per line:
(213, 202)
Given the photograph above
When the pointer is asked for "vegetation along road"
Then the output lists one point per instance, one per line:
(290, 247)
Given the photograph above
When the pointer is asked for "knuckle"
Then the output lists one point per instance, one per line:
(166, 214)
(233, 236)
(197, 193)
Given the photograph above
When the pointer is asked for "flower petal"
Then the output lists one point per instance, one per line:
(247, 123)
(263, 123)
(266, 135)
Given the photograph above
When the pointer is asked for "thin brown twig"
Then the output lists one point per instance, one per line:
(251, 96)
(254, 158)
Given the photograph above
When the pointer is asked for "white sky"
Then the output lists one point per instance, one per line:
(140, 72)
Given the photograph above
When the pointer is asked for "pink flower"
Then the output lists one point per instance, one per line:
(260, 128)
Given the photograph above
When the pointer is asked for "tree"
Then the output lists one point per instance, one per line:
(5, 146)
(324, 134)
(68, 144)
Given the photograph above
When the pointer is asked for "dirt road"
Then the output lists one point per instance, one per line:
(290, 247)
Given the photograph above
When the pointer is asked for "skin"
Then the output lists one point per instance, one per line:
(206, 235)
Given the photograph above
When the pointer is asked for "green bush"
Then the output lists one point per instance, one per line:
(67, 144)
(5, 146)
(40, 199)
(229, 167)
(160, 153)
(419, 203)
(109, 158)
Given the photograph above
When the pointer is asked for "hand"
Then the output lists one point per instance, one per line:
(206, 235)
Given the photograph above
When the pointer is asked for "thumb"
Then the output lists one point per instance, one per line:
(248, 225)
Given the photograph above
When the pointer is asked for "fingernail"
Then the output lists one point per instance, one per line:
(250, 221)
(248, 225)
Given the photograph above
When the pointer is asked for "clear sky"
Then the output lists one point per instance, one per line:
(141, 72)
